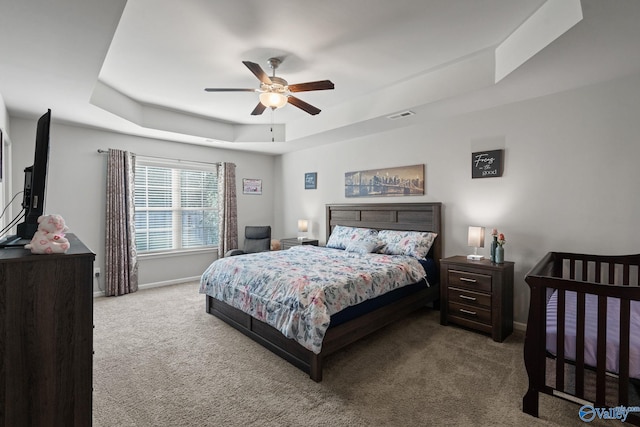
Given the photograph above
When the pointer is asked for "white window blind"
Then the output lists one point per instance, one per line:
(176, 205)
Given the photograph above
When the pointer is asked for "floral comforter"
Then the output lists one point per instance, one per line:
(297, 290)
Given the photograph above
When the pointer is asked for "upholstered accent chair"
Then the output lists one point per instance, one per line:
(257, 238)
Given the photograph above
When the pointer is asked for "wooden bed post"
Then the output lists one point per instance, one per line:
(534, 346)
(315, 371)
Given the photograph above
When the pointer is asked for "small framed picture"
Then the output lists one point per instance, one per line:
(310, 180)
(251, 186)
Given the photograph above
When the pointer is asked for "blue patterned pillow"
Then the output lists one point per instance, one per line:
(363, 246)
(412, 243)
(341, 236)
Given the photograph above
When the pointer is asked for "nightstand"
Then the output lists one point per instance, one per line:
(477, 295)
(294, 241)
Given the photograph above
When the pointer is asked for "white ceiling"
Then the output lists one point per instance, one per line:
(140, 66)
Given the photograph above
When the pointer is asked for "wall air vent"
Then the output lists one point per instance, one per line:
(401, 115)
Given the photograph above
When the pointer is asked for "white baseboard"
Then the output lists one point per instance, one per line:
(157, 284)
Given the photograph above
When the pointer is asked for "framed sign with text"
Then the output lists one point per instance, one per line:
(487, 164)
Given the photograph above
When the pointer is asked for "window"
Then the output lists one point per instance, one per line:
(176, 206)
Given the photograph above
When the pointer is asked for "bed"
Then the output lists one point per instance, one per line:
(583, 332)
(354, 321)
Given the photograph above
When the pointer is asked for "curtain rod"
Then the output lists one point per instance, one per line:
(101, 151)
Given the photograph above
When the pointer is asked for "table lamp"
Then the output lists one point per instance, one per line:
(476, 240)
(303, 227)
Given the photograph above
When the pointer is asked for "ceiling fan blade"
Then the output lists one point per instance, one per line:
(305, 87)
(303, 105)
(259, 109)
(258, 72)
(223, 89)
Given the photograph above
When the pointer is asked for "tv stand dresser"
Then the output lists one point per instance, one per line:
(46, 337)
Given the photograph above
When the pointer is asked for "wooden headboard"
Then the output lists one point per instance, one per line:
(390, 216)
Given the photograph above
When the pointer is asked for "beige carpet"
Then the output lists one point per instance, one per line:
(160, 360)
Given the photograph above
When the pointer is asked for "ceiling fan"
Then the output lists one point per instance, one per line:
(275, 92)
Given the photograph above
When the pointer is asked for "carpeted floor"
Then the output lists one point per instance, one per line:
(160, 360)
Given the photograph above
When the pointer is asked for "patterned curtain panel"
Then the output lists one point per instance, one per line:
(121, 263)
(227, 208)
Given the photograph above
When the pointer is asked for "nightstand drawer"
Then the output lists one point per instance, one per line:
(291, 242)
(476, 314)
(464, 296)
(472, 281)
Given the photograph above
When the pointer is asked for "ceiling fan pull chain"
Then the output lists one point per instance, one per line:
(272, 137)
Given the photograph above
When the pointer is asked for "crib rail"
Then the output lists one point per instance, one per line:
(602, 276)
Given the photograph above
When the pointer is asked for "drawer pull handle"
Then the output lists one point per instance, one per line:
(467, 297)
(464, 279)
(473, 313)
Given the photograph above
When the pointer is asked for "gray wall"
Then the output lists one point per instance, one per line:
(569, 184)
(76, 188)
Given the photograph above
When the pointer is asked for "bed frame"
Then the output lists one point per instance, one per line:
(390, 216)
(604, 276)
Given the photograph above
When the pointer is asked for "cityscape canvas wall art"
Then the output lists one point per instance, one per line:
(398, 181)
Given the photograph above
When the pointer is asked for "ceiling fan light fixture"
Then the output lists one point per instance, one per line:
(273, 99)
(275, 92)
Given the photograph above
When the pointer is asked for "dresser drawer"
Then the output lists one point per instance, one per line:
(477, 314)
(464, 296)
(472, 281)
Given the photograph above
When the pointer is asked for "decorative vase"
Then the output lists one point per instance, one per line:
(494, 245)
(499, 255)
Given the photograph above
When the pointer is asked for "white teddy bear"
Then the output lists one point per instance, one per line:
(49, 238)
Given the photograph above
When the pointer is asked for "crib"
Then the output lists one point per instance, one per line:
(583, 333)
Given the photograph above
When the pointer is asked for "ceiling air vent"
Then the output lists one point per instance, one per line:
(401, 115)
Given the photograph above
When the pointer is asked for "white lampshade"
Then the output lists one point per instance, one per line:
(303, 227)
(476, 237)
(273, 99)
(476, 240)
